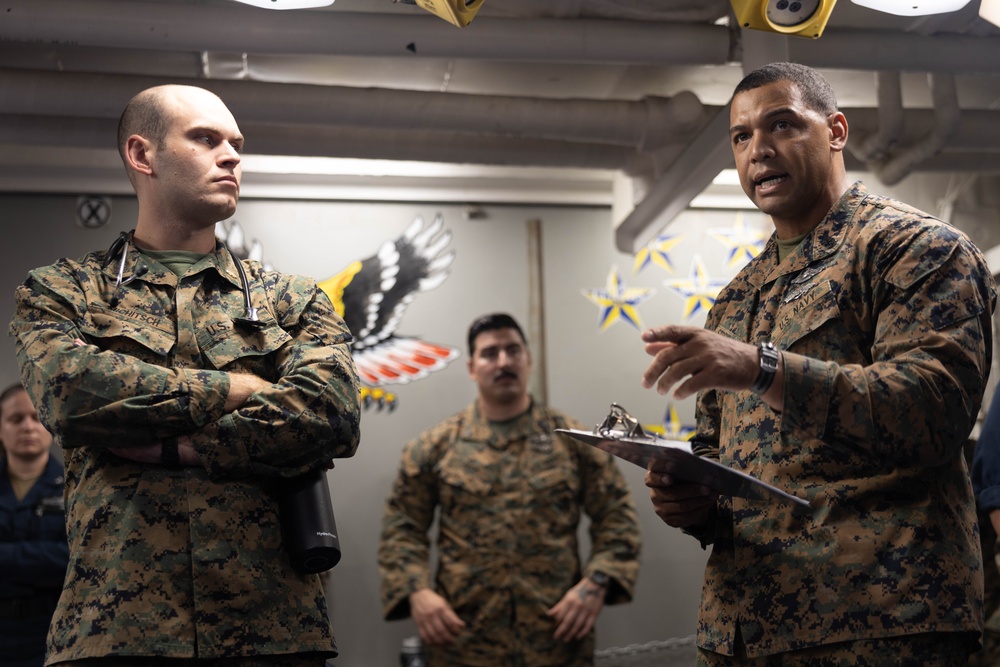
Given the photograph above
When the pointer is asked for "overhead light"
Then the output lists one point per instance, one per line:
(459, 12)
(913, 7)
(798, 18)
(287, 4)
(989, 10)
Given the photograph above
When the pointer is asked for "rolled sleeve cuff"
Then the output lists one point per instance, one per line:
(221, 450)
(621, 584)
(397, 606)
(208, 391)
(808, 386)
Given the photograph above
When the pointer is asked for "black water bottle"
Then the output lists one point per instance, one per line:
(412, 653)
(307, 523)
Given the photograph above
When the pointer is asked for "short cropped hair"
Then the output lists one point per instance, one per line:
(815, 89)
(143, 115)
(492, 322)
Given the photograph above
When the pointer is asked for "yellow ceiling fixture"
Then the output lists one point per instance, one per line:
(798, 18)
(459, 12)
(913, 7)
(287, 4)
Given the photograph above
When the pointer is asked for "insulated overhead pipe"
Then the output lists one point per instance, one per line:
(643, 125)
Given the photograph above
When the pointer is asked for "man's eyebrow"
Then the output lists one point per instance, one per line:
(781, 111)
(211, 129)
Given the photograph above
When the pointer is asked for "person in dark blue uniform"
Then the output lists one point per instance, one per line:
(986, 484)
(33, 551)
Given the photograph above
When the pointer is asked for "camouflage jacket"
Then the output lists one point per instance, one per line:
(170, 561)
(510, 497)
(884, 316)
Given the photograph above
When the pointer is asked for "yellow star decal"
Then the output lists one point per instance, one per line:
(744, 242)
(618, 301)
(656, 252)
(698, 290)
(672, 428)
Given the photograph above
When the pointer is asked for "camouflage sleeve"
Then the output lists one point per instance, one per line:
(83, 393)
(614, 525)
(705, 441)
(404, 546)
(310, 415)
(917, 401)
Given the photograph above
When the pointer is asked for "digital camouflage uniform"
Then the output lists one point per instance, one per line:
(170, 561)
(883, 314)
(510, 497)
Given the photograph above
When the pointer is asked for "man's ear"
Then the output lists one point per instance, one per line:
(138, 154)
(838, 131)
(468, 367)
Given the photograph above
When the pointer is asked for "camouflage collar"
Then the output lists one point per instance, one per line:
(137, 264)
(819, 244)
(224, 262)
(474, 428)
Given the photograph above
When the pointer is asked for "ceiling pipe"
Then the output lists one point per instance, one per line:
(705, 156)
(319, 120)
(971, 149)
(695, 11)
(858, 49)
(363, 143)
(196, 27)
(948, 117)
(874, 146)
(238, 28)
(645, 125)
(975, 140)
(978, 129)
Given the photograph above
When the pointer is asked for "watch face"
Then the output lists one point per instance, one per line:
(768, 357)
(599, 578)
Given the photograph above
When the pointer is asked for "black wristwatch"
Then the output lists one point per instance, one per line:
(768, 368)
(600, 579)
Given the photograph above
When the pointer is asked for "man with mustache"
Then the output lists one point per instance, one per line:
(846, 363)
(509, 589)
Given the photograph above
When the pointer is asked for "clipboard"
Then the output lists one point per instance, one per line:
(621, 435)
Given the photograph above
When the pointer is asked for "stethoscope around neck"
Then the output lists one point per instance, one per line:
(121, 246)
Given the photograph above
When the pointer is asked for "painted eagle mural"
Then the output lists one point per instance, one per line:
(372, 294)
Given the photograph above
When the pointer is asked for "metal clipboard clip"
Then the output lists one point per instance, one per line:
(620, 424)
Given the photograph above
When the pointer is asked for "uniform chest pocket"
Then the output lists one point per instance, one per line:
(805, 310)
(554, 502)
(224, 343)
(50, 505)
(462, 476)
(552, 479)
(48, 519)
(128, 330)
